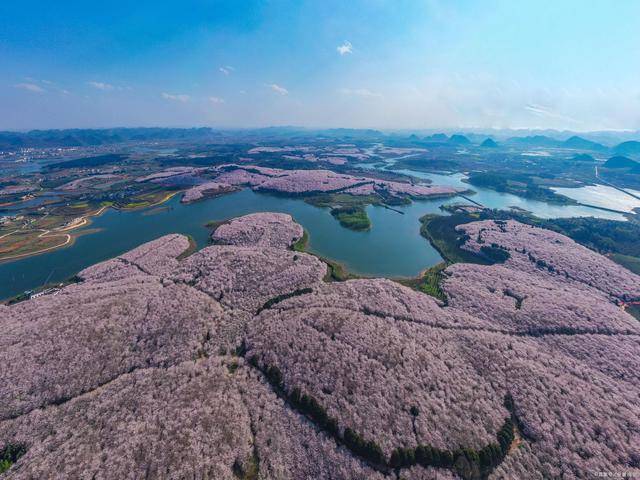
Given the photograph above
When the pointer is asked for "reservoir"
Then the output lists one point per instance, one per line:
(392, 248)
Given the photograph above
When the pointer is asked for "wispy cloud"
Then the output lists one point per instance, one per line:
(176, 97)
(30, 87)
(360, 92)
(539, 110)
(345, 49)
(227, 69)
(278, 89)
(547, 112)
(101, 86)
(216, 100)
(41, 86)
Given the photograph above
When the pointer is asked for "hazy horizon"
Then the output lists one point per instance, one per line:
(477, 131)
(410, 65)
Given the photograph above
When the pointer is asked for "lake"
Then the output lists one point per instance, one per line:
(392, 248)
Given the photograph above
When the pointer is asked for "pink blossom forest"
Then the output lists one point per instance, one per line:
(319, 240)
(242, 360)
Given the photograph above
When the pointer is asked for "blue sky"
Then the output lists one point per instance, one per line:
(363, 63)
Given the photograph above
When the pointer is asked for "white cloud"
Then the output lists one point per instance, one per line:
(101, 85)
(345, 48)
(278, 89)
(227, 69)
(360, 92)
(30, 87)
(176, 97)
(216, 100)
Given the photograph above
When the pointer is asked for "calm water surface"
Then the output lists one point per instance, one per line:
(603, 196)
(492, 199)
(393, 247)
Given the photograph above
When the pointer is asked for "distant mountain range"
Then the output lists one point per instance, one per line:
(90, 137)
(535, 141)
(109, 136)
(574, 142)
(437, 138)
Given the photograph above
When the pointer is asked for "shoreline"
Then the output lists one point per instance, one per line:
(85, 220)
(337, 270)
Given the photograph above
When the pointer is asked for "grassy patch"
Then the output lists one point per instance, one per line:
(275, 300)
(634, 311)
(193, 246)
(429, 282)
(332, 200)
(75, 210)
(10, 455)
(232, 367)
(441, 232)
(213, 224)
(301, 244)
(336, 272)
(149, 199)
(495, 253)
(518, 184)
(82, 205)
(350, 211)
(627, 261)
(354, 218)
(248, 470)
